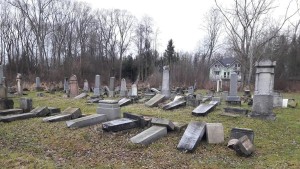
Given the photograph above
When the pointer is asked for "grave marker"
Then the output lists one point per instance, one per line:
(86, 121)
(73, 84)
(166, 82)
(150, 135)
(123, 90)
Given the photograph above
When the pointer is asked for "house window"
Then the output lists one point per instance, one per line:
(216, 66)
(237, 65)
(217, 72)
(226, 74)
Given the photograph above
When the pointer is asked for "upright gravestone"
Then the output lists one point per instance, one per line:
(37, 84)
(97, 90)
(166, 82)
(233, 84)
(66, 85)
(134, 90)
(111, 87)
(1, 74)
(123, 90)
(19, 84)
(73, 84)
(86, 86)
(263, 94)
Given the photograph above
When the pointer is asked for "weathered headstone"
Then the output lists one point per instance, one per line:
(119, 124)
(166, 82)
(163, 122)
(214, 133)
(150, 135)
(155, 90)
(134, 90)
(1, 75)
(191, 90)
(263, 95)
(123, 90)
(233, 84)
(140, 120)
(73, 84)
(177, 102)
(237, 133)
(192, 101)
(111, 87)
(19, 84)
(38, 86)
(203, 109)
(86, 121)
(191, 136)
(154, 101)
(6, 103)
(86, 86)
(124, 101)
(67, 114)
(54, 110)
(26, 104)
(66, 85)
(37, 112)
(97, 87)
(110, 108)
(244, 146)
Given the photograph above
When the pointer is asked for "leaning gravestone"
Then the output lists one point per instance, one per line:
(163, 122)
(166, 82)
(263, 95)
(97, 87)
(154, 101)
(150, 135)
(191, 136)
(68, 114)
(123, 90)
(86, 86)
(19, 84)
(86, 121)
(110, 108)
(111, 87)
(73, 84)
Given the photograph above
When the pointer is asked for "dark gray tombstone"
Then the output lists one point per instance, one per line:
(86, 86)
(140, 120)
(263, 95)
(203, 109)
(191, 136)
(150, 135)
(163, 122)
(26, 104)
(110, 108)
(237, 133)
(6, 104)
(166, 82)
(192, 101)
(66, 85)
(124, 102)
(73, 84)
(236, 110)
(111, 87)
(243, 146)
(119, 124)
(233, 84)
(54, 110)
(10, 112)
(86, 121)
(123, 90)
(154, 101)
(37, 112)
(68, 114)
(97, 87)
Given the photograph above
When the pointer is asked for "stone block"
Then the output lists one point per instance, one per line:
(214, 133)
(26, 104)
(40, 111)
(10, 112)
(141, 122)
(119, 124)
(150, 135)
(237, 133)
(191, 136)
(203, 109)
(179, 126)
(163, 122)
(124, 102)
(110, 108)
(263, 107)
(244, 146)
(67, 114)
(158, 98)
(86, 121)
(54, 110)
(16, 117)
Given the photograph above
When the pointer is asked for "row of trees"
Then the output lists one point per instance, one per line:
(57, 38)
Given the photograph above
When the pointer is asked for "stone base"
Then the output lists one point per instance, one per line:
(269, 116)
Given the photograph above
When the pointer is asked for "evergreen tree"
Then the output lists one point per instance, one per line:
(170, 56)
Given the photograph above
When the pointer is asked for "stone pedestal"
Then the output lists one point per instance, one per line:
(263, 95)
(110, 108)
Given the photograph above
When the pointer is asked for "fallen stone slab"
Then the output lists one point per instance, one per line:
(244, 146)
(110, 108)
(10, 112)
(215, 103)
(218, 99)
(176, 103)
(154, 101)
(124, 102)
(191, 136)
(179, 126)
(67, 114)
(150, 135)
(237, 133)
(93, 100)
(229, 114)
(86, 121)
(214, 133)
(119, 124)
(203, 109)
(236, 110)
(81, 96)
(141, 122)
(233, 100)
(37, 112)
(163, 122)
(155, 90)
(54, 110)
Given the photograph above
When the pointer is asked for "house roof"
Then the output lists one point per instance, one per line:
(226, 62)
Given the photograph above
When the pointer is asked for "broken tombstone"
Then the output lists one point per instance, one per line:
(177, 102)
(86, 121)
(154, 101)
(237, 133)
(163, 122)
(119, 124)
(203, 109)
(68, 114)
(150, 135)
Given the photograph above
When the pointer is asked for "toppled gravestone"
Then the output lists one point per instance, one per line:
(124, 101)
(68, 114)
(154, 101)
(150, 135)
(177, 102)
(242, 146)
(10, 112)
(191, 136)
(81, 96)
(203, 109)
(163, 122)
(119, 124)
(37, 112)
(141, 122)
(237, 133)
(86, 121)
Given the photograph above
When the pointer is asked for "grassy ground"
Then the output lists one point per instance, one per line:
(34, 144)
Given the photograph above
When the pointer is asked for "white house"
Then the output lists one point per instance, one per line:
(222, 68)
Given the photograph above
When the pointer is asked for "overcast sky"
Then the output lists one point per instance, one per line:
(180, 20)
